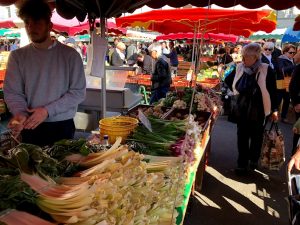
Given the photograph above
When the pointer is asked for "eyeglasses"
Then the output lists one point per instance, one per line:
(268, 49)
(292, 53)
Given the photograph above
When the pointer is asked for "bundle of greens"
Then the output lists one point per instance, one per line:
(32, 159)
(165, 133)
(14, 193)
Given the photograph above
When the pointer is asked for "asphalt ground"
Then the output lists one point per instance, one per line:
(227, 199)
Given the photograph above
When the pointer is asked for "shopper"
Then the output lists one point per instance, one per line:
(164, 48)
(131, 49)
(295, 97)
(284, 71)
(44, 82)
(144, 61)
(277, 52)
(255, 88)
(118, 56)
(224, 58)
(267, 57)
(161, 76)
(173, 58)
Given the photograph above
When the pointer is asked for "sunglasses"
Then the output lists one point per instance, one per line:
(292, 53)
(268, 49)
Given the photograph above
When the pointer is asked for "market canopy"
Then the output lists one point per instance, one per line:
(211, 36)
(73, 26)
(126, 6)
(297, 23)
(238, 22)
(4, 31)
(277, 34)
(9, 23)
(107, 9)
(291, 36)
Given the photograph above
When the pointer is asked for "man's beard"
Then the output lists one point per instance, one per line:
(38, 39)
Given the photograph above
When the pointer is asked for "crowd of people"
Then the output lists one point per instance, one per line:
(262, 85)
(263, 80)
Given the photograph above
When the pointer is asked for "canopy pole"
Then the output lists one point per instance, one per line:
(194, 48)
(103, 79)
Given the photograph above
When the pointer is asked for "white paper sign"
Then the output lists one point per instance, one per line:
(144, 120)
(97, 56)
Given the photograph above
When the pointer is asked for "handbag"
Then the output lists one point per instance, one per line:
(245, 103)
(273, 150)
(284, 83)
(233, 114)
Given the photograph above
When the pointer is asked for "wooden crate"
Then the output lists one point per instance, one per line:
(2, 74)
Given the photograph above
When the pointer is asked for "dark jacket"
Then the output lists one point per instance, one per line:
(173, 57)
(285, 67)
(225, 59)
(270, 84)
(146, 65)
(276, 53)
(294, 87)
(116, 59)
(161, 76)
(264, 59)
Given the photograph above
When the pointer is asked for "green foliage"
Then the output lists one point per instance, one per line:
(165, 133)
(14, 192)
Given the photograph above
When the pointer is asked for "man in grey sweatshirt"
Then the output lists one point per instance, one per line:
(44, 81)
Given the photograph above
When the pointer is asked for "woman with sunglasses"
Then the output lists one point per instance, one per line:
(284, 71)
(266, 56)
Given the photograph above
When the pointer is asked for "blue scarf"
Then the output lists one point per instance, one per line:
(246, 83)
(252, 69)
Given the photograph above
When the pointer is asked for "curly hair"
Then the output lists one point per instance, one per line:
(35, 9)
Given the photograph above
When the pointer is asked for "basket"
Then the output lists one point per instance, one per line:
(117, 126)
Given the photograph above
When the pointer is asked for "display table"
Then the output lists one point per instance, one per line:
(145, 80)
(195, 175)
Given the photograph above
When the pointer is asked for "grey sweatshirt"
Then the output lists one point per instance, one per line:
(52, 78)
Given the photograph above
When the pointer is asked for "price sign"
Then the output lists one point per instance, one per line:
(144, 120)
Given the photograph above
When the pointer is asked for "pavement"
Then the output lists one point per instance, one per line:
(226, 199)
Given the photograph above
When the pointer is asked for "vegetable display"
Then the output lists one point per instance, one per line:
(205, 99)
(82, 182)
(158, 142)
(113, 187)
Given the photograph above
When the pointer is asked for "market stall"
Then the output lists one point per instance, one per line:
(207, 36)
(207, 20)
(80, 182)
(73, 27)
(109, 183)
(204, 23)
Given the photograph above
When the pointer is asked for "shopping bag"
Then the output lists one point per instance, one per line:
(280, 84)
(273, 151)
(286, 81)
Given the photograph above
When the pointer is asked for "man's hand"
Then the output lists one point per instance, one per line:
(16, 124)
(38, 115)
(295, 161)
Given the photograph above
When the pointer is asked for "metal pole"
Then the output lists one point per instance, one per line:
(103, 79)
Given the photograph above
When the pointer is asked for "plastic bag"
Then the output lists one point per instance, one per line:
(273, 150)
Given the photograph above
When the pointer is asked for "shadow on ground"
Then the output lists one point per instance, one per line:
(226, 199)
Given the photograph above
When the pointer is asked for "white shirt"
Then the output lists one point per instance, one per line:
(269, 57)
